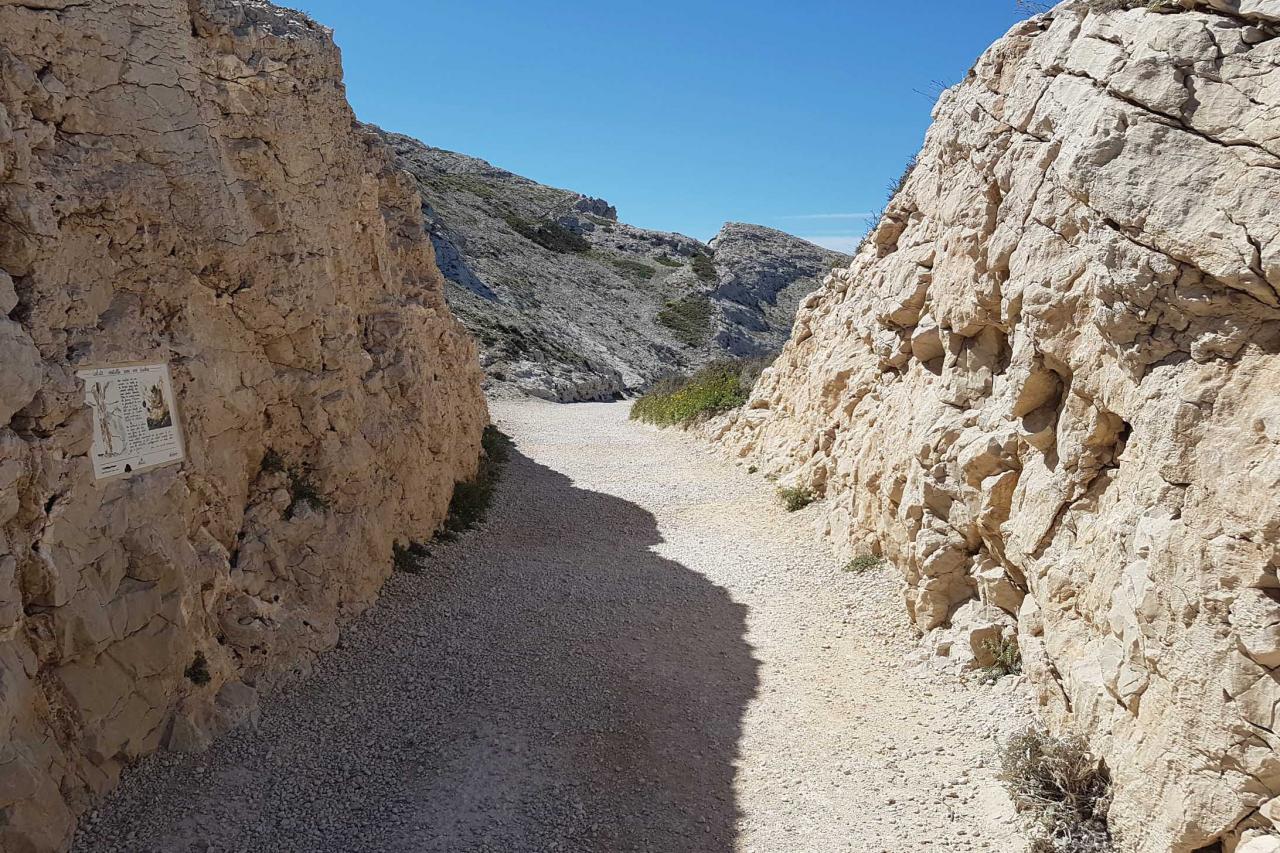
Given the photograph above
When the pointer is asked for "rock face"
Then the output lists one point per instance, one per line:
(763, 276)
(1050, 383)
(590, 307)
(183, 181)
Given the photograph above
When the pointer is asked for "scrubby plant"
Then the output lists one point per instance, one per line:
(795, 498)
(408, 558)
(1006, 659)
(304, 492)
(1105, 6)
(716, 388)
(704, 267)
(864, 563)
(689, 318)
(198, 672)
(633, 269)
(1062, 792)
(551, 236)
(473, 184)
(751, 469)
(471, 498)
(272, 462)
(668, 261)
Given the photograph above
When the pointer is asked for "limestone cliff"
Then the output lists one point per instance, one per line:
(183, 180)
(1048, 390)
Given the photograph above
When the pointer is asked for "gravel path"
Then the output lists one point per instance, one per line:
(641, 652)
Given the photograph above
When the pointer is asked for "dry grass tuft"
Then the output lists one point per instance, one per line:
(1061, 790)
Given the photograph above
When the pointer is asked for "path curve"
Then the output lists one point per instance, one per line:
(640, 652)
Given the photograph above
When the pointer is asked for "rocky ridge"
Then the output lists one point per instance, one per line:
(184, 182)
(1047, 391)
(570, 304)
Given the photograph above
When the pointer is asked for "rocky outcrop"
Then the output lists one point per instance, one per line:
(183, 182)
(763, 276)
(1048, 390)
(589, 307)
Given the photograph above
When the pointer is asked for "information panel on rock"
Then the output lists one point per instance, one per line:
(135, 422)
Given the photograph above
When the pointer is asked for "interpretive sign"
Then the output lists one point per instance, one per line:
(135, 422)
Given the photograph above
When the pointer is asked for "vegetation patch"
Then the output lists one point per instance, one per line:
(796, 498)
(473, 184)
(716, 388)
(864, 563)
(272, 462)
(551, 236)
(304, 492)
(198, 671)
(1006, 659)
(704, 267)
(668, 261)
(1062, 792)
(689, 318)
(471, 499)
(633, 269)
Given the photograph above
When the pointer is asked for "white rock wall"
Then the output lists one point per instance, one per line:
(1051, 384)
(182, 181)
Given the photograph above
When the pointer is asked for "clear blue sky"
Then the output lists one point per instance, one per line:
(683, 113)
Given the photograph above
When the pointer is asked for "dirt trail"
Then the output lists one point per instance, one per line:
(641, 652)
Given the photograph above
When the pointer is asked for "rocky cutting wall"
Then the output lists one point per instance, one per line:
(183, 181)
(1049, 391)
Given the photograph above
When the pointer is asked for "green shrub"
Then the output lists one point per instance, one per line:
(304, 492)
(689, 319)
(198, 672)
(471, 498)
(716, 388)
(864, 563)
(272, 462)
(551, 236)
(408, 558)
(473, 184)
(795, 499)
(668, 261)
(1061, 790)
(1006, 659)
(633, 269)
(751, 469)
(704, 267)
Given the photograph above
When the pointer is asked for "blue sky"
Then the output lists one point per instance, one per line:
(683, 114)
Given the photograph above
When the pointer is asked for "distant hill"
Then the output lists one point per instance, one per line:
(570, 304)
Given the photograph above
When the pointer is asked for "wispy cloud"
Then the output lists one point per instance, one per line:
(831, 216)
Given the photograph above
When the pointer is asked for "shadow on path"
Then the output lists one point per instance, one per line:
(547, 684)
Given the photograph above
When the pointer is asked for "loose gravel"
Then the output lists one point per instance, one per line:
(641, 651)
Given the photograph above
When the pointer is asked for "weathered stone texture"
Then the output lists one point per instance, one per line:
(1051, 382)
(183, 181)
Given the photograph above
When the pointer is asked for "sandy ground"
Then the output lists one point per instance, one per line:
(641, 651)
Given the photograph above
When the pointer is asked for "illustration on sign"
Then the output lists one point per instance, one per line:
(135, 427)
